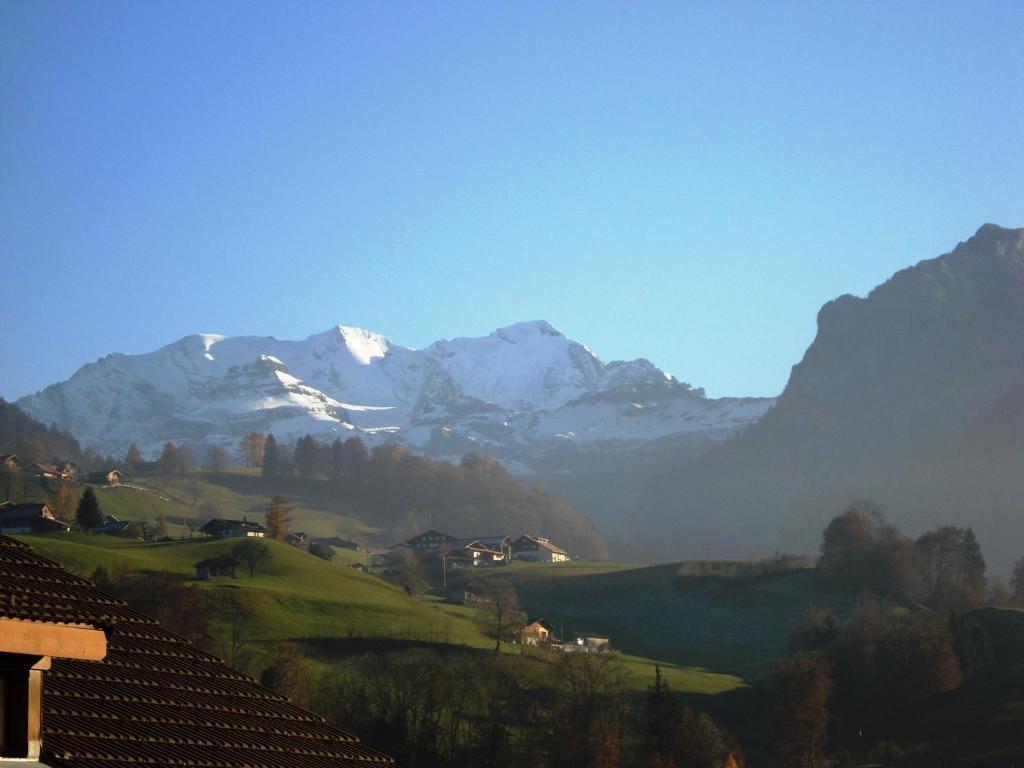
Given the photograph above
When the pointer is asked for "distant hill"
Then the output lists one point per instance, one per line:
(911, 396)
(32, 440)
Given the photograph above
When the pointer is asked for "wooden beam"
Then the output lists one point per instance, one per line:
(36, 638)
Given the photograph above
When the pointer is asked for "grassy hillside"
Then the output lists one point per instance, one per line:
(737, 625)
(300, 597)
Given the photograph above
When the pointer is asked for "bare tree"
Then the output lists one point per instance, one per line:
(251, 552)
(500, 616)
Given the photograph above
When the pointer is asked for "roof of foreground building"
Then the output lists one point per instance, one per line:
(155, 700)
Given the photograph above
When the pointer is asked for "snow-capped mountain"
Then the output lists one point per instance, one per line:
(517, 393)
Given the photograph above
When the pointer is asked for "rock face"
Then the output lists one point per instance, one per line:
(907, 396)
(525, 393)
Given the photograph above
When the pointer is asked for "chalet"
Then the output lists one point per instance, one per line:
(89, 682)
(538, 632)
(106, 477)
(501, 543)
(475, 554)
(69, 471)
(538, 548)
(45, 471)
(431, 541)
(338, 542)
(324, 552)
(10, 461)
(470, 594)
(29, 518)
(586, 642)
(298, 539)
(216, 567)
(111, 526)
(221, 528)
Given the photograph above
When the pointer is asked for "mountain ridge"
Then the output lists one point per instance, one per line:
(517, 392)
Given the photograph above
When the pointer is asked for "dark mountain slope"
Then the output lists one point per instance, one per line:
(898, 398)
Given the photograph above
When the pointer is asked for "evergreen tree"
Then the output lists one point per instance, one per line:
(88, 514)
(306, 450)
(661, 716)
(336, 463)
(279, 517)
(1017, 583)
(271, 458)
(133, 458)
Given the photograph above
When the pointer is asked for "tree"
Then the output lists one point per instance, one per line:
(133, 458)
(1017, 583)
(353, 464)
(251, 552)
(703, 743)
(411, 577)
(500, 616)
(661, 721)
(953, 568)
(589, 710)
(65, 503)
(307, 454)
(251, 449)
(161, 524)
(88, 515)
(217, 458)
(798, 715)
(7, 481)
(167, 464)
(279, 517)
(271, 457)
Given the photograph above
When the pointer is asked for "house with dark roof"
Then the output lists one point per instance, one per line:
(216, 567)
(222, 529)
(528, 547)
(475, 554)
(31, 517)
(89, 683)
(431, 541)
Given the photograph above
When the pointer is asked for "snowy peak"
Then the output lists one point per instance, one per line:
(511, 392)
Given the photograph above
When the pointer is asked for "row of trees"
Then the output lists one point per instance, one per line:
(855, 687)
(943, 568)
(409, 493)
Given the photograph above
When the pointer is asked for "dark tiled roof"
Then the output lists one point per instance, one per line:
(155, 700)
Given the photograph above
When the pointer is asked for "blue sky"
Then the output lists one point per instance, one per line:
(686, 182)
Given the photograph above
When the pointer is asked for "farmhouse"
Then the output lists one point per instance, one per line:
(528, 547)
(538, 632)
(29, 518)
(88, 682)
(586, 642)
(431, 540)
(216, 567)
(475, 554)
(45, 471)
(106, 477)
(10, 461)
(222, 529)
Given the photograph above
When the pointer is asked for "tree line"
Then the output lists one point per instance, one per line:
(410, 494)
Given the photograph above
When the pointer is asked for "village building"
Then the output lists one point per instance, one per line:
(111, 526)
(89, 682)
(106, 477)
(586, 642)
(45, 471)
(221, 528)
(538, 548)
(538, 632)
(431, 540)
(298, 539)
(33, 517)
(475, 554)
(216, 567)
(10, 461)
